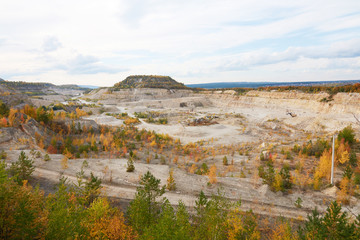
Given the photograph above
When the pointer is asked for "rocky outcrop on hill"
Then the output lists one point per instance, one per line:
(148, 81)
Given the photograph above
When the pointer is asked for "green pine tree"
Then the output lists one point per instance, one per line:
(144, 210)
(22, 168)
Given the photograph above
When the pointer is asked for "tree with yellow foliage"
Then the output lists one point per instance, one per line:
(342, 149)
(171, 185)
(80, 113)
(323, 169)
(153, 143)
(64, 163)
(282, 231)
(192, 169)
(242, 225)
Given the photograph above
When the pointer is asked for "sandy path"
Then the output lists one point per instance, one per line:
(128, 192)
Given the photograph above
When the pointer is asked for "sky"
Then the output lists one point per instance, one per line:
(88, 42)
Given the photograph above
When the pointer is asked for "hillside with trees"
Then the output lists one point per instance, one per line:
(148, 81)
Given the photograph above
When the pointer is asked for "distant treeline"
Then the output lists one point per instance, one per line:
(315, 89)
(38, 86)
(21, 84)
(227, 85)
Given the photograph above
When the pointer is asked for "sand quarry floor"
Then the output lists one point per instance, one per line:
(257, 126)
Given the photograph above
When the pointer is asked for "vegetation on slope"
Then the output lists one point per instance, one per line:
(76, 211)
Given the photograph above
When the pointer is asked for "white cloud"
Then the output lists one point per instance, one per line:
(51, 44)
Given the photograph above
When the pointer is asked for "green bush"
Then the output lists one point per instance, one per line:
(4, 110)
(130, 165)
(225, 161)
(47, 157)
(3, 154)
(347, 134)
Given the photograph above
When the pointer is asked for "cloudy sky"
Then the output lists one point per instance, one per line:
(194, 41)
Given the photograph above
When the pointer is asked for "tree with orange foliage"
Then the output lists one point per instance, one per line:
(105, 222)
(212, 174)
(4, 122)
(51, 149)
(67, 153)
(193, 168)
(12, 116)
(282, 231)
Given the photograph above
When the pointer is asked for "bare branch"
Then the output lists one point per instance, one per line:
(358, 121)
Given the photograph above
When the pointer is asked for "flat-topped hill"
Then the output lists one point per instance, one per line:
(149, 81)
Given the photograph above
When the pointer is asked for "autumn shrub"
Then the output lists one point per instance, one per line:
(131, 121)
(317, 148)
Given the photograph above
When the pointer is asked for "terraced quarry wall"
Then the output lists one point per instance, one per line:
(129, 95)
(341, 103)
